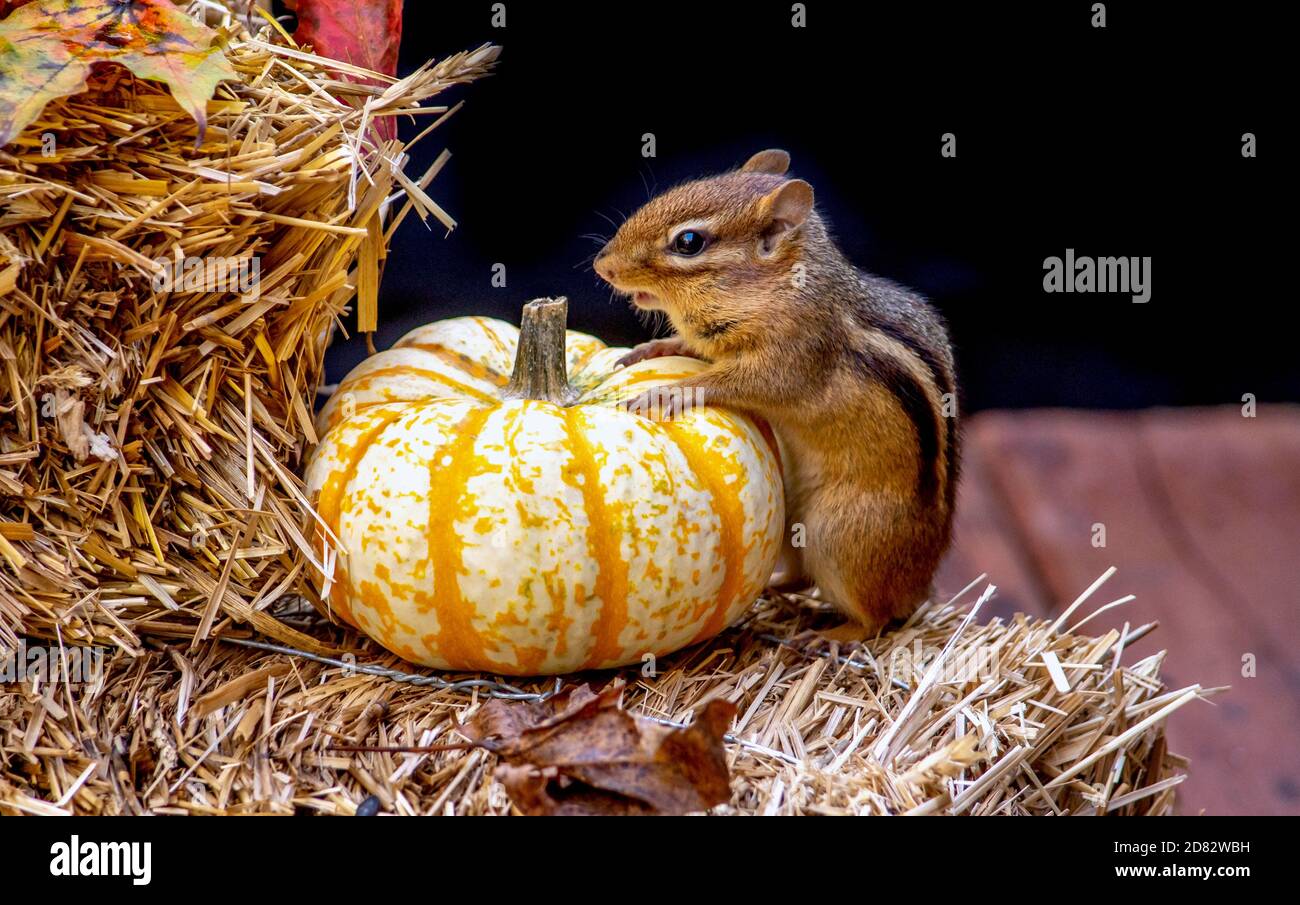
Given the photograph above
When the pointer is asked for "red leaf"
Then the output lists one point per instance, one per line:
(365, 33)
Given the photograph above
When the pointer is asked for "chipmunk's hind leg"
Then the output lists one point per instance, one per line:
(871, 560)
(789, 574)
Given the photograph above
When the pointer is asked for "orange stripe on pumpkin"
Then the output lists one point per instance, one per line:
(604, 520)
(333, 491)
(461, 361)
(351, 386)
(585, 358)
(457, 641)
(557, 621)
(489, 328)
(712, 469)
(513, 426)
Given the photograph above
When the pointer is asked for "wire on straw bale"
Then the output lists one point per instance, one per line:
(153, 415)
(943, 716)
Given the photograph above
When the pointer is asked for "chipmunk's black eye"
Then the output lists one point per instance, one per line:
(689, 242)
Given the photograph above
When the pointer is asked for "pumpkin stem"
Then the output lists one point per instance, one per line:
(541, 369)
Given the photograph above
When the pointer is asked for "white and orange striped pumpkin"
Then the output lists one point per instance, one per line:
(476, 531)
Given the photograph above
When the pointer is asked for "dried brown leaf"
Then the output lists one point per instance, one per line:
(580, 753)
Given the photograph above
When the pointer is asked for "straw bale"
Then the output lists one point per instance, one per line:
(152, 426)
(881, 727)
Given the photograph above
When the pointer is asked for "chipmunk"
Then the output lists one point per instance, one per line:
(854, 373)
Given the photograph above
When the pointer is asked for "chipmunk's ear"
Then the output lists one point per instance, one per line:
(783, 209)
(773, 160)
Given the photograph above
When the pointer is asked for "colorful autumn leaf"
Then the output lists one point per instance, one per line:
(47, 49)
(579, 753)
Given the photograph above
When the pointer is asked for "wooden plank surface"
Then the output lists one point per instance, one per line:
(1201, 513)
(985, 541)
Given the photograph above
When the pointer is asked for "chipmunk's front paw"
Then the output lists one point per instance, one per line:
(665, 403)
(656, 348)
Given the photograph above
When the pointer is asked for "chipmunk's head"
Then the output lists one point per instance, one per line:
(712, 254)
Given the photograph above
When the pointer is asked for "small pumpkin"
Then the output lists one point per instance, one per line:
(532, 524)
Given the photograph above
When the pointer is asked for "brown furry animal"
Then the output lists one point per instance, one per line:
(854, 373)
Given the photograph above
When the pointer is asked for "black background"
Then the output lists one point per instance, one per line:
(1121, 141)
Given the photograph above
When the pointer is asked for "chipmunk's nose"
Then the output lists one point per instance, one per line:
(604, 269)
